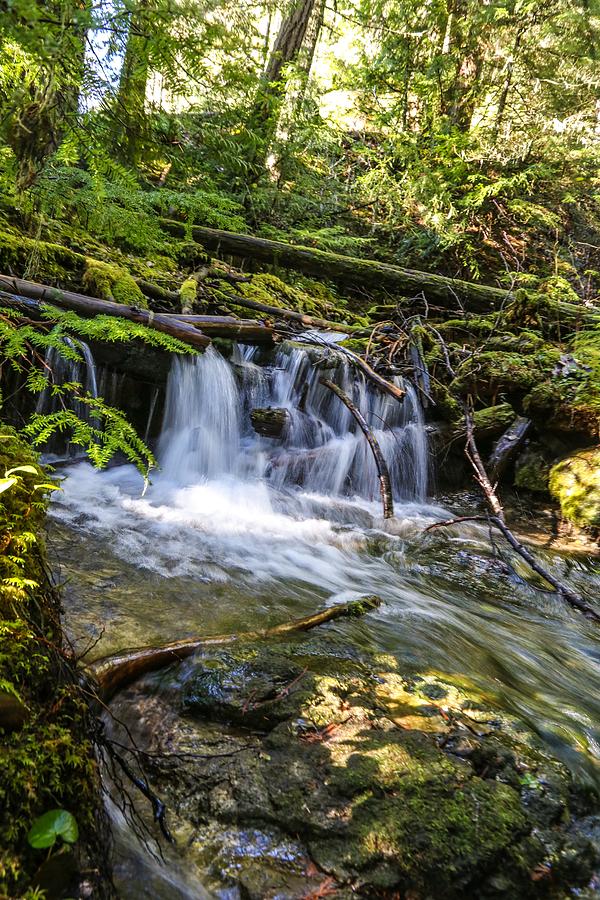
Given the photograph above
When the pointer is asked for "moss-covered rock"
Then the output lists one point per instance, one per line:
(112, 283)
(532, 471)
(575, 483)
(46, 755)
(383, 788)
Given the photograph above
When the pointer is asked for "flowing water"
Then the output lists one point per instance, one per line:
(237, 532)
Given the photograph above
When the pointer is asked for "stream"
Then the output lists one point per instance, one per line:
(238, 532)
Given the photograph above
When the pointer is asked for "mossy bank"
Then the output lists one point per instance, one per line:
(46, 753)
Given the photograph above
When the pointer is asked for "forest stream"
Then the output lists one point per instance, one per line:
(238, 532)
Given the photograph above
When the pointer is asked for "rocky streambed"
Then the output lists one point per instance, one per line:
(307, 768)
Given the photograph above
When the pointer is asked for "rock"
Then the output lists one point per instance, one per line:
(575, 483)
(531, 471)
(335, 752)
(269, 421)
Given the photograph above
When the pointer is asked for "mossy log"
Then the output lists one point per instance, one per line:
(112, 673)
(14, 291)
(245, 331)
(348, 270)
(280, 312)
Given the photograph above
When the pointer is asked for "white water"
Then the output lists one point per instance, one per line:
(238, 531)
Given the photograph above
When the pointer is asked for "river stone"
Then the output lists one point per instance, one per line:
(386, 784)
(575, 483)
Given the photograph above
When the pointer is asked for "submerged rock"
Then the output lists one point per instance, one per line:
(359, 779)
(575, 483)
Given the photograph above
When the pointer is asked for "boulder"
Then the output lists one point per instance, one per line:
(575, 483)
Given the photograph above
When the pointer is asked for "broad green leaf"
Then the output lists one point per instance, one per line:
(50, 826)
(6, 483)
(47, 487)
(31, 470)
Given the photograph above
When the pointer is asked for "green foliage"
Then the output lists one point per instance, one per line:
(106, 433)
(52, 825)
(112, 283)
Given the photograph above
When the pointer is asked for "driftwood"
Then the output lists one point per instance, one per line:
(507, 447)
(279, 312)
(14, 291)
(112, 673)
(242, 330)
(385, 484)
(387, 386)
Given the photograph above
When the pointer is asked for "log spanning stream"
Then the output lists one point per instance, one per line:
(237, 532)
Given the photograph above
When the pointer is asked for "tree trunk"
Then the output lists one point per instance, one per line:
(129, 112)
(271, 92)
(27, 294)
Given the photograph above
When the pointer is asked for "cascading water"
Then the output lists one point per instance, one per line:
(207, 433)
(237, 532)
(61, 370)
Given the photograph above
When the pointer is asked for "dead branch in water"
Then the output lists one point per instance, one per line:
(493, 501)
(111, 673)
(566, 593)
(385, 484)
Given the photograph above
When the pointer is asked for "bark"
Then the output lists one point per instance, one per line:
(130, 103)
(353, 272)
(19, 293)
(278, 312)
(349, 271)
(385, 484)
(267, 106)
(112, 673)
(245, 331)
(387, 386)
(507, 447)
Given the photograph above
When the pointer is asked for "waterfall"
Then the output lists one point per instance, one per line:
(65, 371)
(207, 433)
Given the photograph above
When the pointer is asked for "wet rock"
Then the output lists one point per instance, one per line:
(375, 782)
(575, 483)
(270, 421)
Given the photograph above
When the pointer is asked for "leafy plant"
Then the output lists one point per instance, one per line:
(50, 827)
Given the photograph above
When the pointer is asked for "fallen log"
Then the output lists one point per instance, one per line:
(112, 673)
(279, 312)
(14, 291)
(353, 272)
(348, 270)
(385, 484)
(245, 331)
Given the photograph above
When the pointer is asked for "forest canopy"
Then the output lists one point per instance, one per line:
(450, 133)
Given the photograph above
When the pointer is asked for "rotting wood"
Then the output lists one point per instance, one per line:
(279, 312)
(14, 291)
(385, 484)
(112, 673)
(243, 330)
(507, 446)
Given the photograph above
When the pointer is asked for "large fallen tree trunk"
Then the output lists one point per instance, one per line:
(385, 484)
(353, 272)
(348, 270)
(111, 673)
(16, 292)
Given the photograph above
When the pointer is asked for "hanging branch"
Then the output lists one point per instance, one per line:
(385, 484)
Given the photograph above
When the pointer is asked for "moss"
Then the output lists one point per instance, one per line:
(497, 373)
(272, 291)
(110, 282)
(27, 258)
(46, 759)
(188, 293)
(532, 472)
(575, 483)
(493, 420)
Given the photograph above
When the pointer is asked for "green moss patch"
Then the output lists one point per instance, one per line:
(575, 482)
